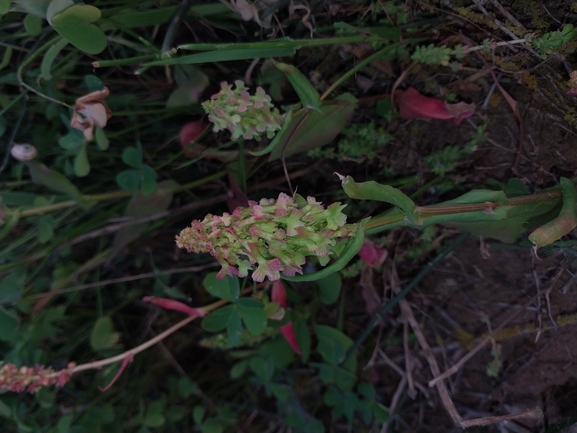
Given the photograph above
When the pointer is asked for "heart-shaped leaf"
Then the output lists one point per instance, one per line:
(102, 336)
(75, 25)
(227, 288)
(252, 314)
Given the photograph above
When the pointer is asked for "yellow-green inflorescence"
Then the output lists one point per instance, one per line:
(273, 237)
(244, 115)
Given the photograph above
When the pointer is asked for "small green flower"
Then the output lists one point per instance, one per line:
(272, 237)
(242, 114)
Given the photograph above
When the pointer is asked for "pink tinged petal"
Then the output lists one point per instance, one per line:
(372, 255)
(413, 105)
(257, 212)
(267, 268)
(171, 304)
(288, 332)
(125, 362)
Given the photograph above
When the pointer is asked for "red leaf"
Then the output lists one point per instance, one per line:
(278, 293)
(190, 132)
(171, 304)
(288, 333)
(125, 362)
(371, 255)
(413, 105)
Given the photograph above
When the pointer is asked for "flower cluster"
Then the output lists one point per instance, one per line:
(271, 237)
(31, 379)
(242, 114)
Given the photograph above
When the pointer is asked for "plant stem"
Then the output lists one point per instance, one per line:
(390, 220)
(27, 62)
(114, 195)
(203, 311)
(357, 68)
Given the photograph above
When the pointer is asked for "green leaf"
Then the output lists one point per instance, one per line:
(55, 7)
(45, 228)
(212, 425)
(306, 92)
(5, 410)
(9, 322)
(227, 288)
(54, 180)
(128, 180)
(238, 369)
(64, 423)
(278, 137)
(330, 288)
(101, 139)
(319, 128)
(148, 180)
(253, 315)
(234, 328)
(154, 414)
(280, 391)
(187, 387)
(564, 223)
(303, 337)
(263, 368)
(49, 58)
(81, 164)
(217, 320)
(333, 344)
(33, 24)
(102, 336)
(93, 83)
(223, 56)
(4, 6)
(132, 156)
(198, 414)
(73, 140)
(174, 413)
(75, 25)
(279, 351)
(352, 247)
(11, 287)
(375, 191)
(515, 188)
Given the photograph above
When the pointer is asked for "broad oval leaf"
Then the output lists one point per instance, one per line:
(253, 315)
(217, 320)
(75, 25)
(228, 288)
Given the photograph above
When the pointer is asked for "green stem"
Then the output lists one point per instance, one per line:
(29, 60)
(396, 217)
(298, 43)
(122, 62)
(114, 195)
(357, 68)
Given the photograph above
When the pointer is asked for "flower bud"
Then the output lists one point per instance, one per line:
(243, 114)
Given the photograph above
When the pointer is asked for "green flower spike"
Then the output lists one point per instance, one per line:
(242, 114)
(273, 237)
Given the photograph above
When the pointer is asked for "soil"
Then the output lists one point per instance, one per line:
(482, 284)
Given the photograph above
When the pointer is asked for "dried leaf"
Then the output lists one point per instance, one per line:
(89, 111)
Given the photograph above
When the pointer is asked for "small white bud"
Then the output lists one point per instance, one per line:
(23, 152)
